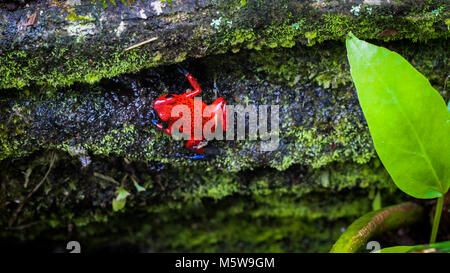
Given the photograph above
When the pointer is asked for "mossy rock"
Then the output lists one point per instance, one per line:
(185, 209)
(66, 97)
(321, 121)
(86, 42)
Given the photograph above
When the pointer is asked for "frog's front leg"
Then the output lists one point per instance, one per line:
(195, 85)
(192, 81)
(160, 126)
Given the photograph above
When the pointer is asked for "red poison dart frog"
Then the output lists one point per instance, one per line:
(215, 112)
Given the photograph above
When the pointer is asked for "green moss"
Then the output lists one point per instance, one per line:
(328, 70)
(233, 29)
(192, 209)
(275, 35)
(407, 27)
(74, 17)
(21, 68)
(329, 26)
(311, 35)
(323, 176)
(125, 2)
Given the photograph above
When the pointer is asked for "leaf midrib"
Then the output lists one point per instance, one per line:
(422, 148)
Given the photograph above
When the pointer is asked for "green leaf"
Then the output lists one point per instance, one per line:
(120, 200)
(376, 204)
(118, 204)
(395, 249)
(441, 247)
(121, 194)
(139, 188)
(408, 119)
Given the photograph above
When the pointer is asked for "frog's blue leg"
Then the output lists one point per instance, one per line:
(197, 157)
(216, 89)
(181, 69)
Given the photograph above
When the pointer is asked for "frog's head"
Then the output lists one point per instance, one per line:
(164, 105)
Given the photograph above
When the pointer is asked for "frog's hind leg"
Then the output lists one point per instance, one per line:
(196, 146)
(219, 109)
(210, 151)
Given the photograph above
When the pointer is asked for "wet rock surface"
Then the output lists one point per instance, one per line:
(76, 126)
(320, 118)
(296, 198)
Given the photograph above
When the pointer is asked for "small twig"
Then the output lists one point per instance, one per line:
(141, 43)
(27, 177)
(124, 179)
(127, 161)
(24, 226)
(133, 176)
(19, 208)
(158, 180)
(104, 177)
(133, 173)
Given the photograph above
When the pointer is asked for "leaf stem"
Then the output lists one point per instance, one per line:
(437, 218)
